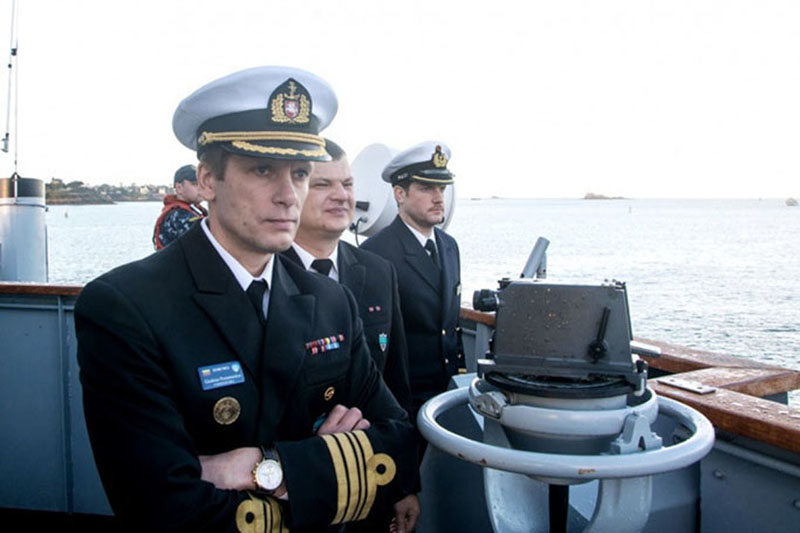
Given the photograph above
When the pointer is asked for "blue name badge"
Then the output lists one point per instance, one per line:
(221, 375)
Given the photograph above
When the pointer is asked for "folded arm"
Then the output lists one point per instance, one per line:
(148, 459)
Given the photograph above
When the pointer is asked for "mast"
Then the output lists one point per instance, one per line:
(12, 57)
(23, 228)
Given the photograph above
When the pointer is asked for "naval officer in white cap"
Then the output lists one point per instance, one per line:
(226, 388)
(428, 268)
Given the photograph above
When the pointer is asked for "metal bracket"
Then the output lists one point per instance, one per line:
(491, 404)
(688, 385)
(636, 436)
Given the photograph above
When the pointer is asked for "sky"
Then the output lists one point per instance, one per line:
(536, 99)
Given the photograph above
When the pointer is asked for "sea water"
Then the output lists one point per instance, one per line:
(719, 275)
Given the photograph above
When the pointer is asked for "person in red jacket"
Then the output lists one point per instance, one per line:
(181, 210)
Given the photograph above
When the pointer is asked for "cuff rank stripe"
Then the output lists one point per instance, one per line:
(359, 471)
(260, 516)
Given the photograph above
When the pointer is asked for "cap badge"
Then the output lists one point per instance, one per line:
(439, 159)
(290, 104)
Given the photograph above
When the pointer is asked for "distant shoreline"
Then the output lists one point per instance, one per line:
(109, 201)
(96, 201)
(78, 193)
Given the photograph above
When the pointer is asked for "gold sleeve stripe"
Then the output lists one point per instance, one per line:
(365, 448)
(366, 445)
(270, 518)
(361, 471)
(351, 494)
(372, 485)
(341, 477)
(351, 464)
(278, 525)
(208, 137)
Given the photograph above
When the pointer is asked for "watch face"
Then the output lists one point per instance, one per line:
(269, 474)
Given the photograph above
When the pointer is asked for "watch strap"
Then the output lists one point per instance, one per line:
(270, 453)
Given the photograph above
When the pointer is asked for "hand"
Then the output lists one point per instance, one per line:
(231, 470)
(234, 470)
(406, 512)
(342, 419)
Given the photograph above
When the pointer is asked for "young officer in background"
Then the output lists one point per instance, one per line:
(428, 269)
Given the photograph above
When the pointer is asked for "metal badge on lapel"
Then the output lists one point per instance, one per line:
(383, 341)
(324, 344)
(329, 392)
(227, 410)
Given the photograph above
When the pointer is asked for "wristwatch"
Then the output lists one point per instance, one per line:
(268, 474)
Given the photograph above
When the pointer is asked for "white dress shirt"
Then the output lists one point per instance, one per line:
(307, 259)
(243, 277)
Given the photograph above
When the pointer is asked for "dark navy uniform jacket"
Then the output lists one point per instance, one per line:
(373, 282)
(145, 329)
(430, 300)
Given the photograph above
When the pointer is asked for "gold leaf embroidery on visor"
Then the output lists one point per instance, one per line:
(443, 182)
(208, 137)
(277, 151)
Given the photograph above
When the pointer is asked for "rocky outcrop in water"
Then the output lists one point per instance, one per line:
(593, 196)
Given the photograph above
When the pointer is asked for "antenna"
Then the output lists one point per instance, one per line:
(11, 60)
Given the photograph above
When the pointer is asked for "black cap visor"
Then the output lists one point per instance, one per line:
(249, 133)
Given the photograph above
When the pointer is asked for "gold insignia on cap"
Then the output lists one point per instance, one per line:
(359, 472)
(439, 159)
(329, 392)
(291, 108)
(227, 410)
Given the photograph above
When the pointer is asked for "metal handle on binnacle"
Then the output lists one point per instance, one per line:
(569, 467)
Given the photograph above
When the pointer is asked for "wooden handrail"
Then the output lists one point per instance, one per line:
(741, 414)
(39, 288)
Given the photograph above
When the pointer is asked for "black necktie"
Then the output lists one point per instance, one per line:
(256, 292)
(323, 266)
(432, 250)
